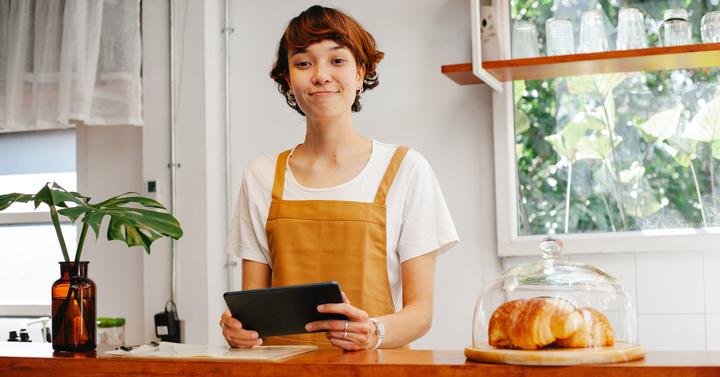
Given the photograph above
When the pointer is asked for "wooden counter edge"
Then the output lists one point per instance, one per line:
(368, 363)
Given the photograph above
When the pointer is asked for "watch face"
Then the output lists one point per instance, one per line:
(380, 329)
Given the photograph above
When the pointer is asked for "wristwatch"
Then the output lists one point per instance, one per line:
(379, 332)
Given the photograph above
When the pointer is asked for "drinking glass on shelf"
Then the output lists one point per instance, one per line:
(559, 35)
(592, 32)
(675, 28)
(524, 40)
(631, 30)
(710, 27)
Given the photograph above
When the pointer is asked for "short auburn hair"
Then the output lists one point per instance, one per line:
(316, 24)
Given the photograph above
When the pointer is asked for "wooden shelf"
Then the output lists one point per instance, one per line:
(548, 67)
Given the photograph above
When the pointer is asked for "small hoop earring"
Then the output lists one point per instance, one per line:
(290, 97)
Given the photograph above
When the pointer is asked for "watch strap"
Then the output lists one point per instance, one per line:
(378, 334)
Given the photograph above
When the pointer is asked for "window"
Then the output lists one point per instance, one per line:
(615, 162)
(30, 249)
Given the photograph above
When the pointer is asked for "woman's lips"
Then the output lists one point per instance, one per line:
(323, 93)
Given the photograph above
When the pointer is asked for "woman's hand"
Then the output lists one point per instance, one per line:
(235, 335)
(356, 333)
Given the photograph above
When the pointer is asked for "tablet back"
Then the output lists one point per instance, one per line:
(283, 310)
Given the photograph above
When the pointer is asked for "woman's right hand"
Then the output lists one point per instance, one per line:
(235, 335)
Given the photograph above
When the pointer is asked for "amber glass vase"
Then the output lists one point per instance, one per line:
(73, 309)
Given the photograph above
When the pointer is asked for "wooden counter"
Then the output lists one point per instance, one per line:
(29, 359)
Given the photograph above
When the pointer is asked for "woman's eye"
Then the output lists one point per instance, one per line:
(338, 60)
(302, 64)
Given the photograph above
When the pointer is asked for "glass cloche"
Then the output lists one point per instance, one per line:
(554, 304)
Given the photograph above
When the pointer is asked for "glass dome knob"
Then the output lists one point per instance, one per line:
(551, 247)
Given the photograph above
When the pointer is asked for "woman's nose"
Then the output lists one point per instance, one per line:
(321, 74)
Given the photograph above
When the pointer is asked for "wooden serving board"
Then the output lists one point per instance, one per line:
(620, 352)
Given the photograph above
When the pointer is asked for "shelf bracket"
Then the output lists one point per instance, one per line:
(477, 68)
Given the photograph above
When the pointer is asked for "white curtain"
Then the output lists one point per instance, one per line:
(69, 61)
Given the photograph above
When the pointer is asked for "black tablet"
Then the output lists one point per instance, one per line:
(283, 310)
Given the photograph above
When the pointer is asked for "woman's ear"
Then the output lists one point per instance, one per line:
(360, 77)
(289, 85)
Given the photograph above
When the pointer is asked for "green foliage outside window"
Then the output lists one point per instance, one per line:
(617, 152)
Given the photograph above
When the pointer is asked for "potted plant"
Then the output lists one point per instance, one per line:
(134, 219)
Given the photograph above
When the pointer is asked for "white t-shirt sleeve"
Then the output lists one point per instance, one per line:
(426, 222)
(246, 237)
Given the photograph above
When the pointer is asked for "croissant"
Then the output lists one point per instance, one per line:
(534, 323)
(539, 322)
(595, 332)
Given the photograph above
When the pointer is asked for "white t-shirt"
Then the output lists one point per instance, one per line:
(418, 220)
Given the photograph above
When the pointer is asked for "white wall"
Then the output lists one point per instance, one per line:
(109, 163)
(200, 199)
(414, 105)
(156, 151)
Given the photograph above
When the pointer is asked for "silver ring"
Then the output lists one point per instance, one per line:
(345, 330)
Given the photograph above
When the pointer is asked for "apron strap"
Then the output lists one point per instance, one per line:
(390, 173)
(279, 184)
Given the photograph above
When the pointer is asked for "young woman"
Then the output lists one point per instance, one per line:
(340, 206)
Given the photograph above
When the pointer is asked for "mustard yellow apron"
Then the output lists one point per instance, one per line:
(312, 241)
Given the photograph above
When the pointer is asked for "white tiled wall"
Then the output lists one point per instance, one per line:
(677, 332)
(712, 282)
(676, 295)
(670, 283)
(713, 332)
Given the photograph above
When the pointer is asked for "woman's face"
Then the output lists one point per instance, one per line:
(324, 78)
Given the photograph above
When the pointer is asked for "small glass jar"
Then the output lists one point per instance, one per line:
(675, 30)
(111, 331)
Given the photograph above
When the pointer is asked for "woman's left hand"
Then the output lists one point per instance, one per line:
(354, 334)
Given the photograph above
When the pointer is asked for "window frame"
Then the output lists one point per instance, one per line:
(37, 217)
(27, 218)
(510, 243)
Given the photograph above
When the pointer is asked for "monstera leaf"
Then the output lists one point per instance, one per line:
(134, 226)
(596, 146)
(564, 142)
(662, 125)
(716, 149)
(522, 122)
(632, 175)
(8, 199)
(682, 150)
(705, 126)
(518, 90)
(605, 114)
(600, 85)
(51, 195)
(136, 220)
(594, 120)
(644, 205)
